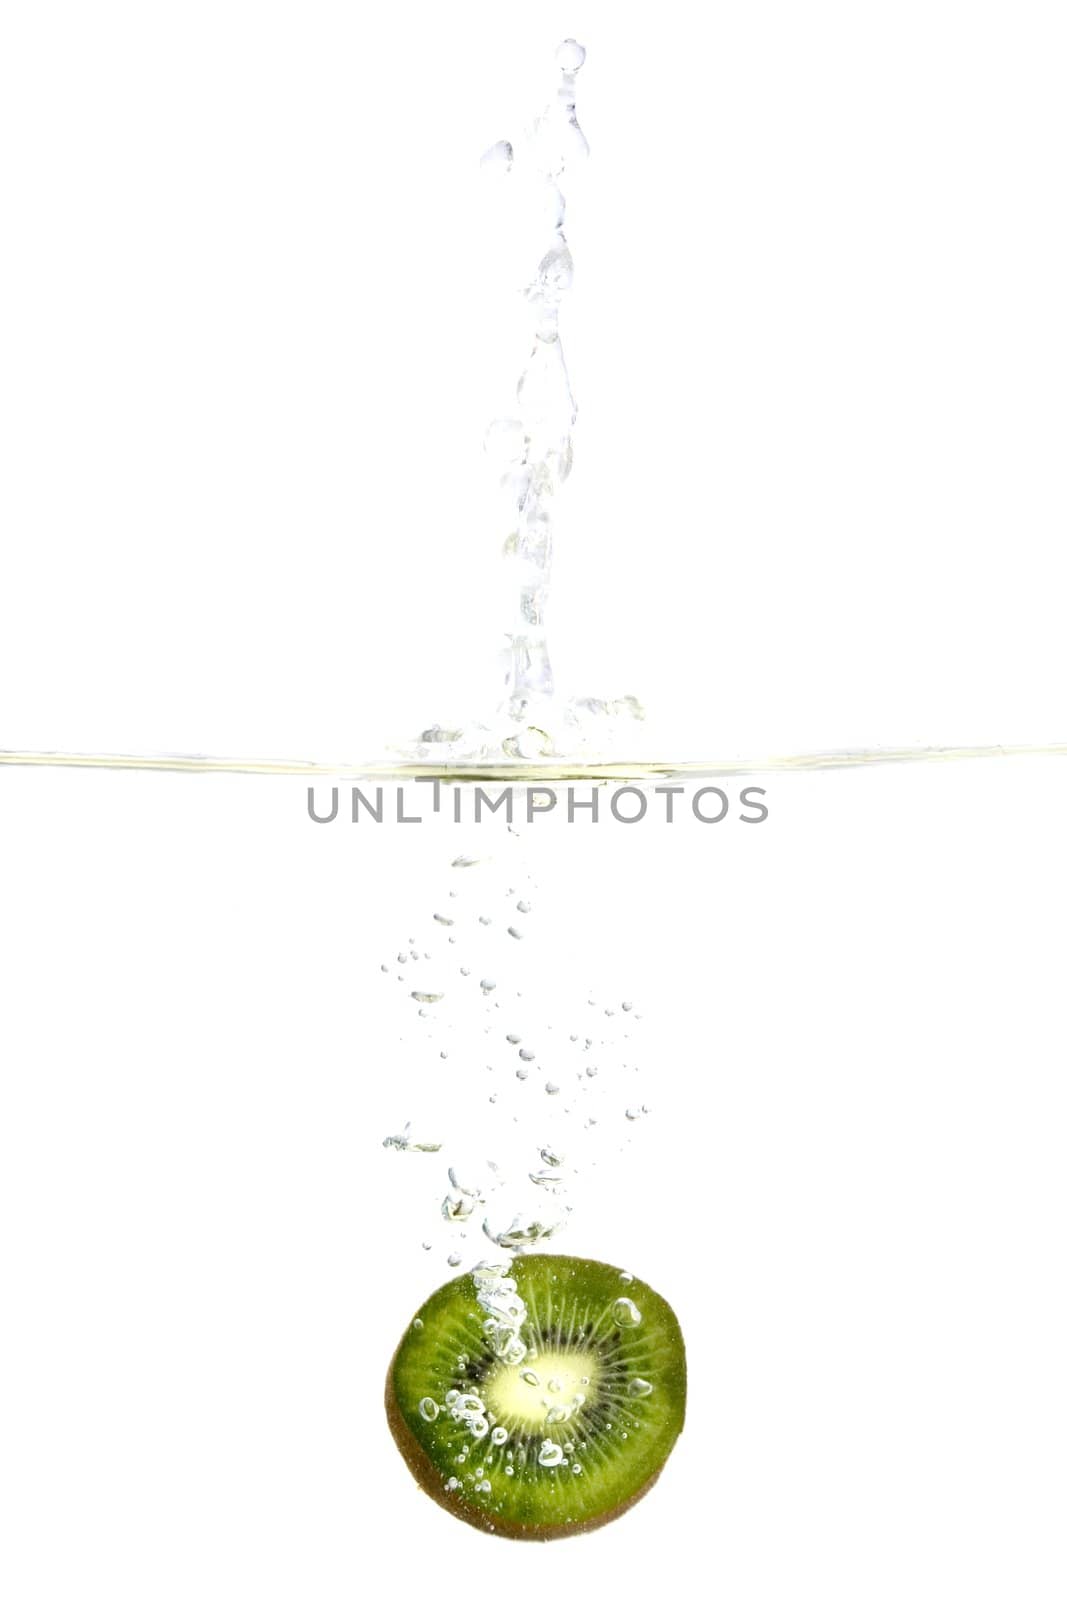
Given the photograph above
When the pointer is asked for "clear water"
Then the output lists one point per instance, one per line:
(540, 1080)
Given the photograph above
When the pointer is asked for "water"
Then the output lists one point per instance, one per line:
(536, 1076)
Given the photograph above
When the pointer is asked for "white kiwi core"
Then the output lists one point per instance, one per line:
(544, 1393)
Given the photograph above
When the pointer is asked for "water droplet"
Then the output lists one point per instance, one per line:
(513, 1038)
(428, 1409)
(626, 1277)
(624, 1313)
(638, 1388)
(530, 1377)
(550, 1454)
(555, 1415)
(418, 1323)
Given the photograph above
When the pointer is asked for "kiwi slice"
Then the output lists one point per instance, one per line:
(539, 1399)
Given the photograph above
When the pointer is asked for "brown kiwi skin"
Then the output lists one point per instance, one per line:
(428, 1478)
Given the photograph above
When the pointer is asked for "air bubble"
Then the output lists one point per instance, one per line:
(570, 55)
(457, 1207)
(429, 1409)
(624, 1313)
(638, 1388)
(498, 158)
(550, 1454)
(552, 1088)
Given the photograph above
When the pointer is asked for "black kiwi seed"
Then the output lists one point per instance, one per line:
(559, 1433)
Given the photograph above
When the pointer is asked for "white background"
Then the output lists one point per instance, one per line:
(248, 355)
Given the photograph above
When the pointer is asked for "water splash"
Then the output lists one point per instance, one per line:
(532, 451)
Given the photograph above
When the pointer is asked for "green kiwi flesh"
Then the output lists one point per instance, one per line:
(565, 1439)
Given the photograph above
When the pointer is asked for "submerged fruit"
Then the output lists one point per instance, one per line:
(540, 1399)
